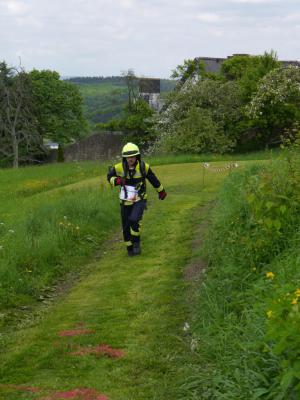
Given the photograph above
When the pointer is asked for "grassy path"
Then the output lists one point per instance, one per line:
(137, 305)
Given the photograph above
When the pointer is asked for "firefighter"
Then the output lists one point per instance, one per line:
(130, 175)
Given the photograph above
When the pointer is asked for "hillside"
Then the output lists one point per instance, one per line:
(105, 97)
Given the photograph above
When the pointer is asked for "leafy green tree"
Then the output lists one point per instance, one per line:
(208, 111)
(189, 69)
(218, 98)
(196, 133)
(57, 107)
(275, 107)
(137, 124)
(248, 70)
(19, 139)
(132, 88)
(60, 154)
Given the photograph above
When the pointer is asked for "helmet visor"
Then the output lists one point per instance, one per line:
(130, 153)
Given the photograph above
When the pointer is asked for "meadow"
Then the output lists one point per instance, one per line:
(230, 332)
(114, 296)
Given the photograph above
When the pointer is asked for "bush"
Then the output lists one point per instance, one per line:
(276, 105)
(202, 116)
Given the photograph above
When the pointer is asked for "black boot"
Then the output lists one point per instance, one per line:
(136, 248)
(130, 251)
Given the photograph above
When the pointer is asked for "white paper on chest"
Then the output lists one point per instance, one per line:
(128, 193)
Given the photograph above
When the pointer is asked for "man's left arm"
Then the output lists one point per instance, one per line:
(152, 178)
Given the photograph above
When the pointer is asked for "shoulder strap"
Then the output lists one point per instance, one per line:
(143, 169)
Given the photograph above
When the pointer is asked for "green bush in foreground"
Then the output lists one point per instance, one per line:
(247, 330)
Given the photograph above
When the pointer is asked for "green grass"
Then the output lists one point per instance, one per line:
(138, 305)
(191, 158)
(52, 220)
(255, 230)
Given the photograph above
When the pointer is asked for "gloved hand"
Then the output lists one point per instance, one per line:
(162, 195)
(120, 181)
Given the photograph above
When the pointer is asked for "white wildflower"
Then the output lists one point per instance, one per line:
(186, 326)
(194, 344)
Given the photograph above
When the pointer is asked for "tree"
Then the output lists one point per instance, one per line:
(57, 106)
(197, 133)
(275, 107)
(248, 70)
(201, 118)
(132, 87)
(18, 135)
(189, 69)
(137, 123)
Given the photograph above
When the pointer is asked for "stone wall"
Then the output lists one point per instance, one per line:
(100, 146)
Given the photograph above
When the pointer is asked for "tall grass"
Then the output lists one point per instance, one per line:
(26, 181)
(247, 322)
(52, 238)
(34, 248)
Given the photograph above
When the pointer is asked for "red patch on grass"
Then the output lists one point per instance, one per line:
(76, 332)
(100, 350)
(77, 394)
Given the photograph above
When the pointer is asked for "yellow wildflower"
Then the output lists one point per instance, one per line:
(269, 313)
(297, 292)
(294, 301)
(270, 275)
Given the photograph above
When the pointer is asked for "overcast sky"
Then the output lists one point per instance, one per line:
(104, 37)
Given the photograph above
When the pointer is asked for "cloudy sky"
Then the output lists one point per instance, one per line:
(105, 37)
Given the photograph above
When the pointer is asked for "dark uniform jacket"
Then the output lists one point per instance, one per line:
(134, 178)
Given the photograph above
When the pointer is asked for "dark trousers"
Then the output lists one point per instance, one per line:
(131, 219)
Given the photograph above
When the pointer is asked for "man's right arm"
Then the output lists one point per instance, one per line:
(111, 175)
(113, 178)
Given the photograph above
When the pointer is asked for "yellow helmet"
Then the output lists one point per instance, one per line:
(130, 150)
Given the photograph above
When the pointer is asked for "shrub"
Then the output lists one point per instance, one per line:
(275, 106)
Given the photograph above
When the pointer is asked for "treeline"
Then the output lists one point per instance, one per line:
(252, 103)
(115, 80)
(166, 85)
(35, 107)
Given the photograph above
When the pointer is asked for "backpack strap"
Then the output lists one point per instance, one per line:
(143, 169)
